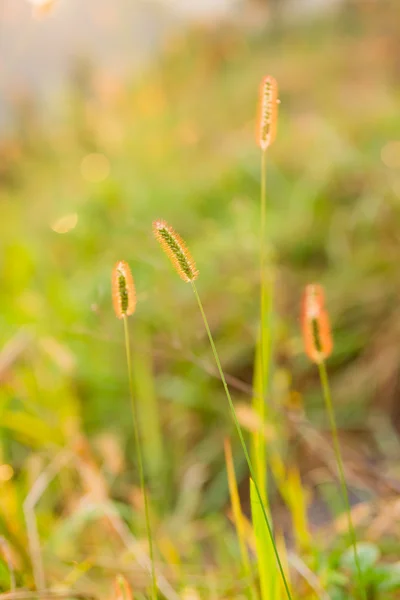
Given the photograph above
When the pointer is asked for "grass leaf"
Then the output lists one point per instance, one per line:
(267, 566)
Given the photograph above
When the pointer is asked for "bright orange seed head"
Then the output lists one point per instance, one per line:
(315, 323)
(175, 248)
(123, 290)
(122, 589)
(267, 112)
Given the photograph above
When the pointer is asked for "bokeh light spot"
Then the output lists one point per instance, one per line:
(65, 223)
(390, 154)
(95, 167)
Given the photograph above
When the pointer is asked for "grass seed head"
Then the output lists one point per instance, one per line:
(175, 248)
(315, 323)
(123, 290)
(267, 112)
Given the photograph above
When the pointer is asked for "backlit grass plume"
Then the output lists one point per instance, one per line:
(124, 301)
(175, 248)
(315, 323)
(267, 112)
(184, 264)
(318, 346)
(123, 290)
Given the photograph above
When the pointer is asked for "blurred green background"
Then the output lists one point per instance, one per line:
(156, 119)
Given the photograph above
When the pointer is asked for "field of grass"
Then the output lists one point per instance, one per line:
(80, 193)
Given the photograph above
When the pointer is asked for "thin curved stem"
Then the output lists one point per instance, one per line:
(242, 441)
(154, 594)
(323, 373)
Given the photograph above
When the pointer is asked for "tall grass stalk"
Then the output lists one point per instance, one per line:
(323, 373)
(140, 458)
(265, 136)
(242, 441)
(264, 351)
(182, 261)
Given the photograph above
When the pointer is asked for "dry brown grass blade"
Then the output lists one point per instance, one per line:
(33, 497)
(27, 595)
(96, 487)
(13, 350)
(306, 573)
(5, 546)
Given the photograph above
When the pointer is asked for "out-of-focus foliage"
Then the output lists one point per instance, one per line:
(178, 143)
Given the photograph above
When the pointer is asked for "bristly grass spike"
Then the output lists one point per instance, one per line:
(123, 290)
(315, 323)
(267, 112)
(318, 346)
(175, 248)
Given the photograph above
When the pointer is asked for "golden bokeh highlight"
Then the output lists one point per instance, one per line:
(65, 223)
(95, 167)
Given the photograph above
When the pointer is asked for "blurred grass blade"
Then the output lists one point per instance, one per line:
(238, 517)
(6, 562)
(291, 489)
(261, 385)
(79, 570)
(282, 549)
(10, 526)
(265, 553)
(258, 446)
(170, 552)
(297, 503)
(30, 429)
(149, 414)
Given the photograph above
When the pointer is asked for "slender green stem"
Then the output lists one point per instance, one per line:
(259, 440)
(242, 441)
(265, 338)
(266, 307)
(154, 594)
(323, 373)
(263, 253)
